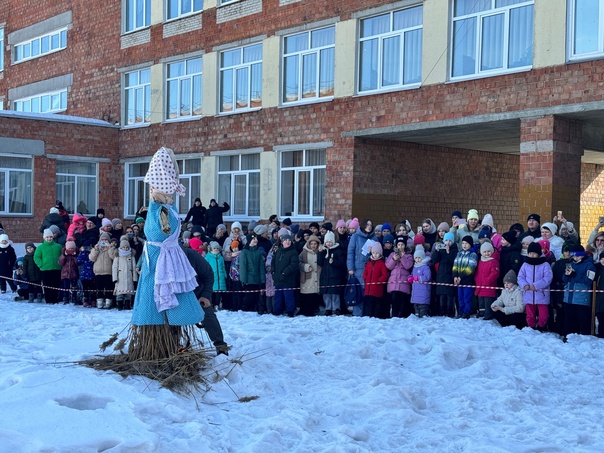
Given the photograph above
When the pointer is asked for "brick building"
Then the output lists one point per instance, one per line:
(312, 110)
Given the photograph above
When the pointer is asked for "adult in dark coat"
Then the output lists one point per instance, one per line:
(197, 214)
(509, 256)
(203, 292)
(91, 233)
(53, 218)
(214, 215)
(443, 259)
(332, 261)
(533, 223)
(285, 270)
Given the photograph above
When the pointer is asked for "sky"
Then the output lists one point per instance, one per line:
(320, 384)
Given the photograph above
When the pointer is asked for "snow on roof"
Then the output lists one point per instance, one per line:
(57, 118)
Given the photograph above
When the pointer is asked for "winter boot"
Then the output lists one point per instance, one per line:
(120, 304)
(31, 298)
(100, 303)
(108, 303)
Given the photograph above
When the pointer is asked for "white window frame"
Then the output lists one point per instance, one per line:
(141, 94)
(24, 51)
(141, 189)
(234, 175)
(27, 104)
(235, 69)
(27, 190)
(300, 55)
(180, 4)
(189, 78)
(1, 49)
(145, 13)
(479, 16)
(381, 37)
(226, 2)
(571, 38)
(73, 181)
(304, 168)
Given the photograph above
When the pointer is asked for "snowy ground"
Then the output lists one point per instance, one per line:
(337, 384)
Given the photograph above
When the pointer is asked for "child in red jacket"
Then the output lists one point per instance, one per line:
(486, 275)
(375, 276)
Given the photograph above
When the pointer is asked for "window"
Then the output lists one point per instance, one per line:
(16, 188)
(178, 8)
(77, 186)
(241, 78)
(303, 183)
(43, 103)
(183, 89)
(137, 191)
(190, 177)
(239, 184)
(1, 49)
(491, 36)
(308, 65)
(586, 29)
(137, 14)
(390, 50)
(225, 2)
(42, 45)
(137, 95)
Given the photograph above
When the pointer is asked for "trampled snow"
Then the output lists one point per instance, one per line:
(322, 384)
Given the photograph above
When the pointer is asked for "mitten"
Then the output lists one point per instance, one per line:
(410, 279)
(415, 278)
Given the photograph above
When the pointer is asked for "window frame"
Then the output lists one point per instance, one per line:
(300, 54)
(232, 182)
(146, 99)
(62, 34)
(235, 68)
(179, 79)
(39, 98)
(146, 15)
(186, 178)
(2, 49)
(571, 38)
(381, 37)
(75, 183)
(6, 172)
(294, 214)
(180, 14)
(479, 16)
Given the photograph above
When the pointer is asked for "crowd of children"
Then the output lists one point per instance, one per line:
(540, 277)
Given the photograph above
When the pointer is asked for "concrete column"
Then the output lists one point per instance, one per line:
(550, 167)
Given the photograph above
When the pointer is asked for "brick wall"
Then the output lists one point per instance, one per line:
(592, 201)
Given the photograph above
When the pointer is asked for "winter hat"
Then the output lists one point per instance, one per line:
(488, 220)
(124, 244)
(288, 222)
(235, 245)
(286, 236)
(354, 223)
(517, 227)
(528, 239)
(313, 238)
(419, 252)
(509, 236)
(105, 237)
(197, 199)
(282, 232)
(252, 225)
(544, 244)
(106, 222)
(577, 250)
(400, 239)
(550, 226)
(377, 247)
(340, 223)
(443, 226)
(221, 227)
(534, 247)
(47, 233)
(214, 245)
(469, 240)
(196, 244)
(29, 244)
(186, 235)
(449, 237)
(456, 213)
(260, 229)
(389, 238)
(139, 220)
(163, 173)
(213, 200)
(386, 226)
(329, 237)
(377, 228)
(55, 229)
(197, 229)
(69, 245)
(510, 277)
(328, 226)
(486, 247)
(249, 237)
(3, 237)
(53, 210)
(114, 222)
(484, 233)
(419, 239)
(496, 241)
(295, 229)
(236, 225)
(536, 217)
(472, 214)
(100, 211)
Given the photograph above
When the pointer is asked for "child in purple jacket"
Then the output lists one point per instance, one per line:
(420, 276)
(534, 279)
